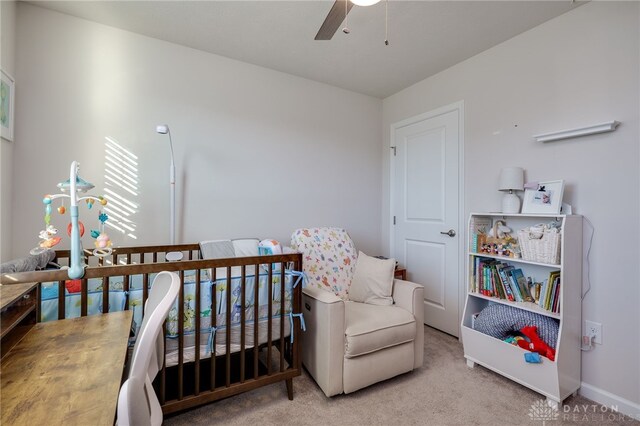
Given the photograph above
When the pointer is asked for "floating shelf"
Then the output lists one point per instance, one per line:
(609, 126)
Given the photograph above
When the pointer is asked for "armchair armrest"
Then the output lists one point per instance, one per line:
(410, 296)
(323, 342)
(321, 295)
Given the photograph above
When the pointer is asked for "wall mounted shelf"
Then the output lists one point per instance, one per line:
(609, 126)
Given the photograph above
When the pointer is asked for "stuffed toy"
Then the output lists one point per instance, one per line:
(535, 343)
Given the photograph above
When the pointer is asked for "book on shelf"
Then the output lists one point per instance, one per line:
(478, 226)
(494, 278)
(550, 291)
(520, 281)
(510, 292)
(556, 301)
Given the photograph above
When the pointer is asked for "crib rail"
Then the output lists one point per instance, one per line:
(132, 255)
(230, 367)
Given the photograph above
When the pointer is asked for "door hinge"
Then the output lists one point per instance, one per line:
(394, 220)
(394, 150)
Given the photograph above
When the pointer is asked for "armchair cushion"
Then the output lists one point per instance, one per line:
(372, 280)
(370, 328)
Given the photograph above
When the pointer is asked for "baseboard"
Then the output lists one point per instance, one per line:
(624, 406)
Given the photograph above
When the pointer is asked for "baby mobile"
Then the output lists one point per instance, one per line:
(75, 229)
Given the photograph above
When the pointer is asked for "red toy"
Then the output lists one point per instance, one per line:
(73, 286)
(535, 343)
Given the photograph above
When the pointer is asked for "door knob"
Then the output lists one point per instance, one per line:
(450, 233)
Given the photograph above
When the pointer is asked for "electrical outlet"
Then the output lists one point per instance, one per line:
(594, 329)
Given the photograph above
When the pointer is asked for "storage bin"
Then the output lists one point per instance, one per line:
(545, 249)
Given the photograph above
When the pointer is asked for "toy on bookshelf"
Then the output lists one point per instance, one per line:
(493, 238)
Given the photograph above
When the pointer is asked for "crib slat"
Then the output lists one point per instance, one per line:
(105, 294)
(282, 317)
(270, 314)
(256, 312)
(83, 297)
(145, 290)
(61, 304)
(163, 374)
(297, 308)
(214, 324)
(243, 291)
(228, 329)
(125, 288)
(38, 302)
(181, 338)
(197, 336)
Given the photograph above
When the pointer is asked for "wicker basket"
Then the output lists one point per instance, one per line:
(543, 250)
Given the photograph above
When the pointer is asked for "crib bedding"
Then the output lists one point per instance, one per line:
(213, 299)
(220, 335)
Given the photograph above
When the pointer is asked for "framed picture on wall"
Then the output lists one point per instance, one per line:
(545, 199)
(7, 95)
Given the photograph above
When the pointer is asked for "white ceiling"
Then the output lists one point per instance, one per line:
(425, 36)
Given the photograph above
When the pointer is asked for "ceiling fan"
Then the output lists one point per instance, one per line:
(336, 15)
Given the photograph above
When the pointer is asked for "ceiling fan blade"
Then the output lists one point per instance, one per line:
(333, 20)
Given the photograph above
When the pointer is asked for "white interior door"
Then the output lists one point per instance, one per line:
(425, 209)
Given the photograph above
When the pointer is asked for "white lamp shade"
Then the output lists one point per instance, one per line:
(511, 178)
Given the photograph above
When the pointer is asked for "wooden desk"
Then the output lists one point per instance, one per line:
(17, 313)
(66, 372)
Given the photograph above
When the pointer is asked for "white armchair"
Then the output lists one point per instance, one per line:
(350, 345)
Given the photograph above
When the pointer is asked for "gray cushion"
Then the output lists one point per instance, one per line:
(31, 263)
(501, 321)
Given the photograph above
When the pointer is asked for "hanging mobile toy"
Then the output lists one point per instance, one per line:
(103, 242)
(47, 235)
(72, 189)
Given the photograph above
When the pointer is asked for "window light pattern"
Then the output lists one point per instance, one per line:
(121, 187)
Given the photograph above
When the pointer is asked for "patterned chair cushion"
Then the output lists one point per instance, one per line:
(329, 258)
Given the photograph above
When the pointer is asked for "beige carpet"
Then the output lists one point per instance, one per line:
(443, 392)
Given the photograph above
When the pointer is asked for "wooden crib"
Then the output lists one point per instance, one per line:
(232, 367)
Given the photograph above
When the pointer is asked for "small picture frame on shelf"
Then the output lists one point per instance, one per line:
(545, 199)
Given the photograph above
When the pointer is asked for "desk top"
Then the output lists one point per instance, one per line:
(10, 292)
(66, 372)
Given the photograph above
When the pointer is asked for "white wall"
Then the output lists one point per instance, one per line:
(7, 63)
(258, 152)
(578, 69)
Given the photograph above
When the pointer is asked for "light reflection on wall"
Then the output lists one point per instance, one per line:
(121, 187)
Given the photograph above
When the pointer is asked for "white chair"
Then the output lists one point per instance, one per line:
(137, 402)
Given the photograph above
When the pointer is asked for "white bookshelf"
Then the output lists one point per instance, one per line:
(558, 379)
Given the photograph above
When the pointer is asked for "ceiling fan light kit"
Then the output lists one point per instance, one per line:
(364, 2)
(340, 12)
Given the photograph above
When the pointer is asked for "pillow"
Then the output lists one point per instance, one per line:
(267, 248)
(372, 280)
(245, 247)
(217, 249)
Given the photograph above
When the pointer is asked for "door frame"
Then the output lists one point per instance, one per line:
(459, 107)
